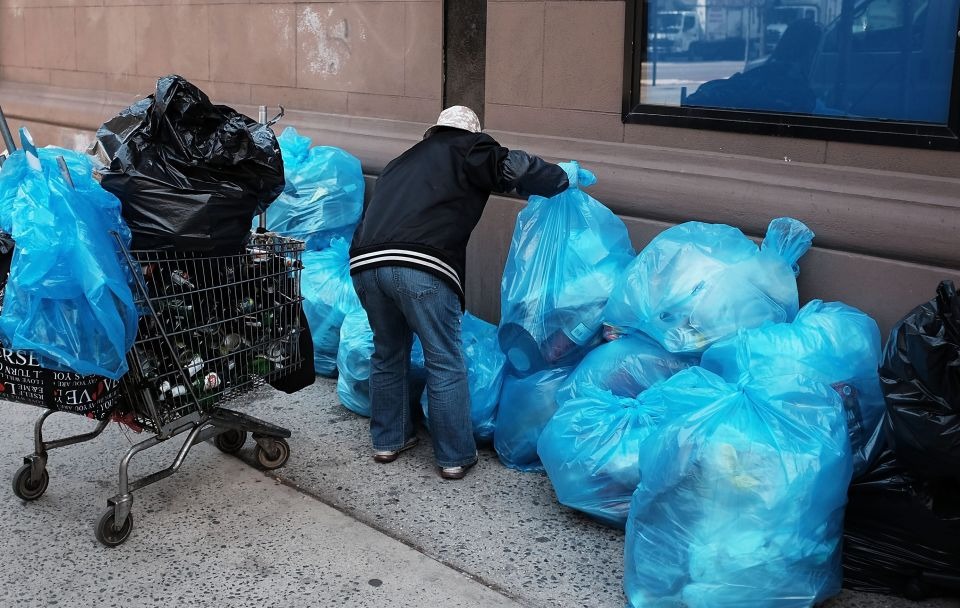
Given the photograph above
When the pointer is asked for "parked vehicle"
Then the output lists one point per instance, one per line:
(707, 32)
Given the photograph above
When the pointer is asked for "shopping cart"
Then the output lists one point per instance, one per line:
(212, 329)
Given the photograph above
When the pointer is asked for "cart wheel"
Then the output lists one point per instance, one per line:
(27, 489)
(230, 442)
(275, 455)
(110, 536)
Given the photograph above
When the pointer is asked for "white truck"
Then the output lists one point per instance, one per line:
(779, 17)
(708, 30)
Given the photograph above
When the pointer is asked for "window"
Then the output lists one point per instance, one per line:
(880, 71)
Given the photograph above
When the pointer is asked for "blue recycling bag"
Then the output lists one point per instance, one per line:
(68, 297)
(526, 406)
(742, 495)
(697, 283)
(831, 343)
(484, 363)
(353, 363)
(566, 255)
(328, 294)
(624, 368)
(606, 408)
(323, 195)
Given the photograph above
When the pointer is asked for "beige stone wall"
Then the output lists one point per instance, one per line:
(361, 58)
(556, 68)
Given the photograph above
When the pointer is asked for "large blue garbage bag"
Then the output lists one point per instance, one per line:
(741, 497)
(328, 294)
(353, 365)
(566, 254)
(698, 283)
(625, 368)
(323, 196)
(526, 406)
(484, 362)
(68, 298)
(353, 361)
(606, 407)
(831, 343)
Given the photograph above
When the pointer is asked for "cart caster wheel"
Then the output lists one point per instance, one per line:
(275, 455)
(110, 536)
(26, 489)
(230, 442)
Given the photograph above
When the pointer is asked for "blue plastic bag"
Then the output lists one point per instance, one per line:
(625, 368)
(697, 283)
(566, 254)
(68, 298)
(484, 363)
(353, 364)
(526, 406)
(606, 407)
(328, 294)
(353, 361)
(741, 497)
(323, 196)
(831, 343)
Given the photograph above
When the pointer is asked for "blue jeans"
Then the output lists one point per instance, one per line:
(400, 302)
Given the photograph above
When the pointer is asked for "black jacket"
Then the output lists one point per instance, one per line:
(429, 199)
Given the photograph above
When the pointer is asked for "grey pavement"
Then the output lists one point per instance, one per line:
(331, 528)
(503, 527)
(219, 533)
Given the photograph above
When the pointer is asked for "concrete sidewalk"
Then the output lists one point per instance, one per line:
(331, 528)
(503, 527)
(218, 533)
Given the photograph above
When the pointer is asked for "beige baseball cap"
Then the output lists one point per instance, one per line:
(458, 117)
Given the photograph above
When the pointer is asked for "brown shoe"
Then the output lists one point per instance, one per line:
(387, 456)
(456, 472)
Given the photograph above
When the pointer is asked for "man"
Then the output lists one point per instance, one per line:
(407, 261)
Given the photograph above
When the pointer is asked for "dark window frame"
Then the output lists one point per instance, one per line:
(883, 132)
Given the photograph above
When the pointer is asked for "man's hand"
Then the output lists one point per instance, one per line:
(578, 176)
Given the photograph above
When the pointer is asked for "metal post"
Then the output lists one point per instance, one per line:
(5, 133)
(262, 119)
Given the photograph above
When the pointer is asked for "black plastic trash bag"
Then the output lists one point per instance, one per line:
(190, 175)
(920, 376)
(902, 534)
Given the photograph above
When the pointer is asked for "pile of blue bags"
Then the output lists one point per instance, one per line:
(681, 394)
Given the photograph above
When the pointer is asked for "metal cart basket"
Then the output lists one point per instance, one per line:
(212, 329)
